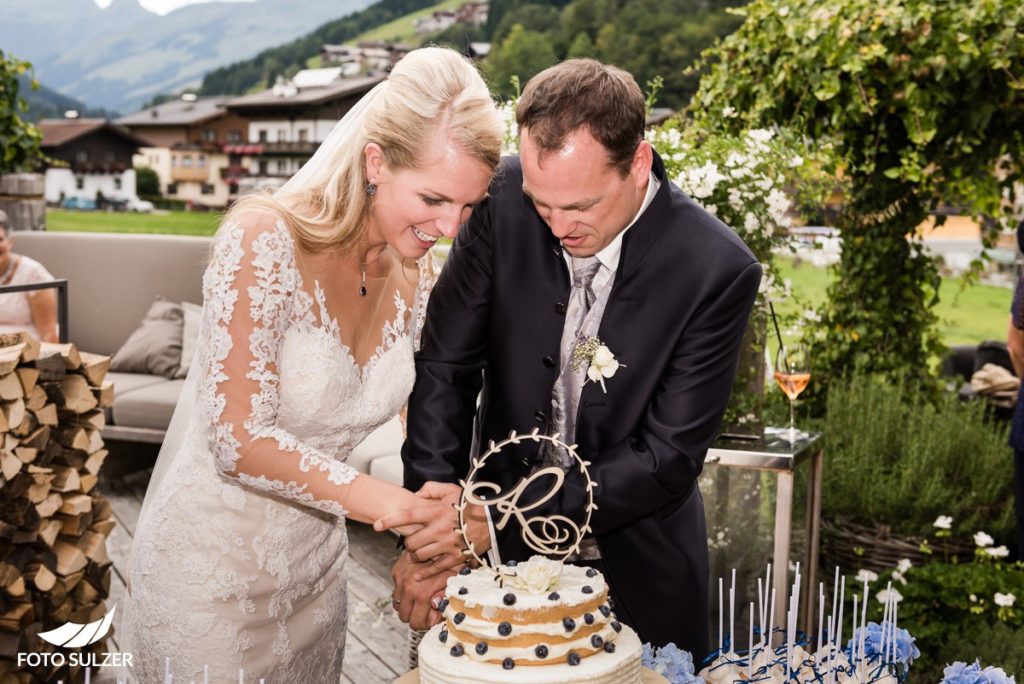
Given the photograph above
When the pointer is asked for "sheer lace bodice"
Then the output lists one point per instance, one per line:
(239, 555)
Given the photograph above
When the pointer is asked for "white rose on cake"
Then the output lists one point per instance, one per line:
(538, 575)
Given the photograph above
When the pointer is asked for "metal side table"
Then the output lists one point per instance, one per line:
(775, 453)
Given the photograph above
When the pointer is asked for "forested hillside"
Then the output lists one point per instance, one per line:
(648, 38)
(288, 58)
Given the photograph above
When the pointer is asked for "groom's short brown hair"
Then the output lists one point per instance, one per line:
(581, 93)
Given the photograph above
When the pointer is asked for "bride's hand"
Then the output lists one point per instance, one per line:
(438, 540)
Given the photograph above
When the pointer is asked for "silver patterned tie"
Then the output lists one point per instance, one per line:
(566, 392)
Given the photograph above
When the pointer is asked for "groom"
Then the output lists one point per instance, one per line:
(584, 237)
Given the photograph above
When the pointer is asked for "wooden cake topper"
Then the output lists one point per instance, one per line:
(554, 535)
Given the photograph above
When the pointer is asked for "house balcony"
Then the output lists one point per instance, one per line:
(293, 149)
(190, 175)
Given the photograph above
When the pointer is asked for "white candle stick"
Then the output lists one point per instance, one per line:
(167, 671)
(760, 607)
(88, 675)
(771, 620)
(750, 645)
(821, 615)
(839, 620)
(864, 626)
(241, 676)
(853, 633)
(721, 617)
(831, 660)
(206, 674)
(732, 613)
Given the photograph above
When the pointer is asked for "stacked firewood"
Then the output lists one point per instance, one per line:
(54, 567)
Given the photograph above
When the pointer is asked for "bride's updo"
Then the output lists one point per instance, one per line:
(431, 91)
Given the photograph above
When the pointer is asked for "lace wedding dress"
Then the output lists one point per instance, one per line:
(233, 570)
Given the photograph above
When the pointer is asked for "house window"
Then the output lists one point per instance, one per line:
(108, 156)
(117, 182)
(202, 161)
(282, 166)
(282, 135)
(186, 161)
(210, 135)
(174, 161)
(207, 189)
(79, 183)
(263, 168)
(82, 156)
(303, 135)
(172, 188)
(235, 136)
(263, 136)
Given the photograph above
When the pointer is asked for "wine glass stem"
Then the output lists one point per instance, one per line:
(792, 420)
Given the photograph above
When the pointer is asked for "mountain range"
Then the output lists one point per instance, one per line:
(119, 57)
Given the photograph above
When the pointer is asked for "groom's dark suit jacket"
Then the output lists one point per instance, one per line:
(676, 314)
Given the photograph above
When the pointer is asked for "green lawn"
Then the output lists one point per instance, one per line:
(177, 222)
(978, 313)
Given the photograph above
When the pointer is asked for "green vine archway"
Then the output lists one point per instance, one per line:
(923, 101)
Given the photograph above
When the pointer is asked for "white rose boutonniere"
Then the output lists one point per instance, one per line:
(539, 575)
(601, 362)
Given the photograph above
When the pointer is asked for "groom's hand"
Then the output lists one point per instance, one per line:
(438, 540)
(416, 601)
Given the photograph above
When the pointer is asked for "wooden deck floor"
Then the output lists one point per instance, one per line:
(377, 648)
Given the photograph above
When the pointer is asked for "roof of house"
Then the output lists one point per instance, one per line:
(316, 78)
(307, 96)
(57, 132)
(178, 112)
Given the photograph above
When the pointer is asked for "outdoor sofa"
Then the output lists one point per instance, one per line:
(115, 280)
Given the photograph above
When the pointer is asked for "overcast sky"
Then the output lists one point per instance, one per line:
(165, 6)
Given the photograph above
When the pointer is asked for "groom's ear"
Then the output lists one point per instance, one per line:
(373, 157)
(643, 160)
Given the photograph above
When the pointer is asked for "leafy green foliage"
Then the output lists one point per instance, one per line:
(523, 53)
(266, 66)
(147, 182)
(648, 38)
(896, 459)
(19, 140)
(923, 101)
(951, 611)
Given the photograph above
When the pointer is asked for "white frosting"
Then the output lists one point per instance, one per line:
(438, 666)
(484, 590)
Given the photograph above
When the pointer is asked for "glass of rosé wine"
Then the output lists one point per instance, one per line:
(793, 373)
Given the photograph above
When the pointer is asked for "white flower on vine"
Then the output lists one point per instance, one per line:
(729, 112)
(943, 522)
(1005, 600)
(982, 539)
(736, 199)
(778, 207)
(811, 316)
(998, 552)
(750, 222)
(796, 162)
(866, 575)
(761, 135)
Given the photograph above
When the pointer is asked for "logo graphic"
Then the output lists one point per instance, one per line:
(74, 635)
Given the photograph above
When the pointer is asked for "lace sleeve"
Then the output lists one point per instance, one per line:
(430, 267)
(249, 290)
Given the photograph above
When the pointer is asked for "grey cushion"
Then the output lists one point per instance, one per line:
(389, 469)
(189, 336)
(155, 346)
(126, 382)
(149, 406)
(384, 441)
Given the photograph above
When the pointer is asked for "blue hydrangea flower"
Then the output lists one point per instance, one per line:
(905, 652)
(671, 662)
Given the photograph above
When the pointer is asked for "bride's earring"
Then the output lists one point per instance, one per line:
(371, 188)
(362, 271)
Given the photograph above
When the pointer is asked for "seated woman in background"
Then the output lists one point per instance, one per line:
(33, 311)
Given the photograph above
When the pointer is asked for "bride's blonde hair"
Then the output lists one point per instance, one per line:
(430, 91)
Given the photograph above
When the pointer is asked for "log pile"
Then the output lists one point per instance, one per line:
(54, 567)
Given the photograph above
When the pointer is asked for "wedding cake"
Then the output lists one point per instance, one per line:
(537, 622)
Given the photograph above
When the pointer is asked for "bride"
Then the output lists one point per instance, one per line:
(313, 300)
